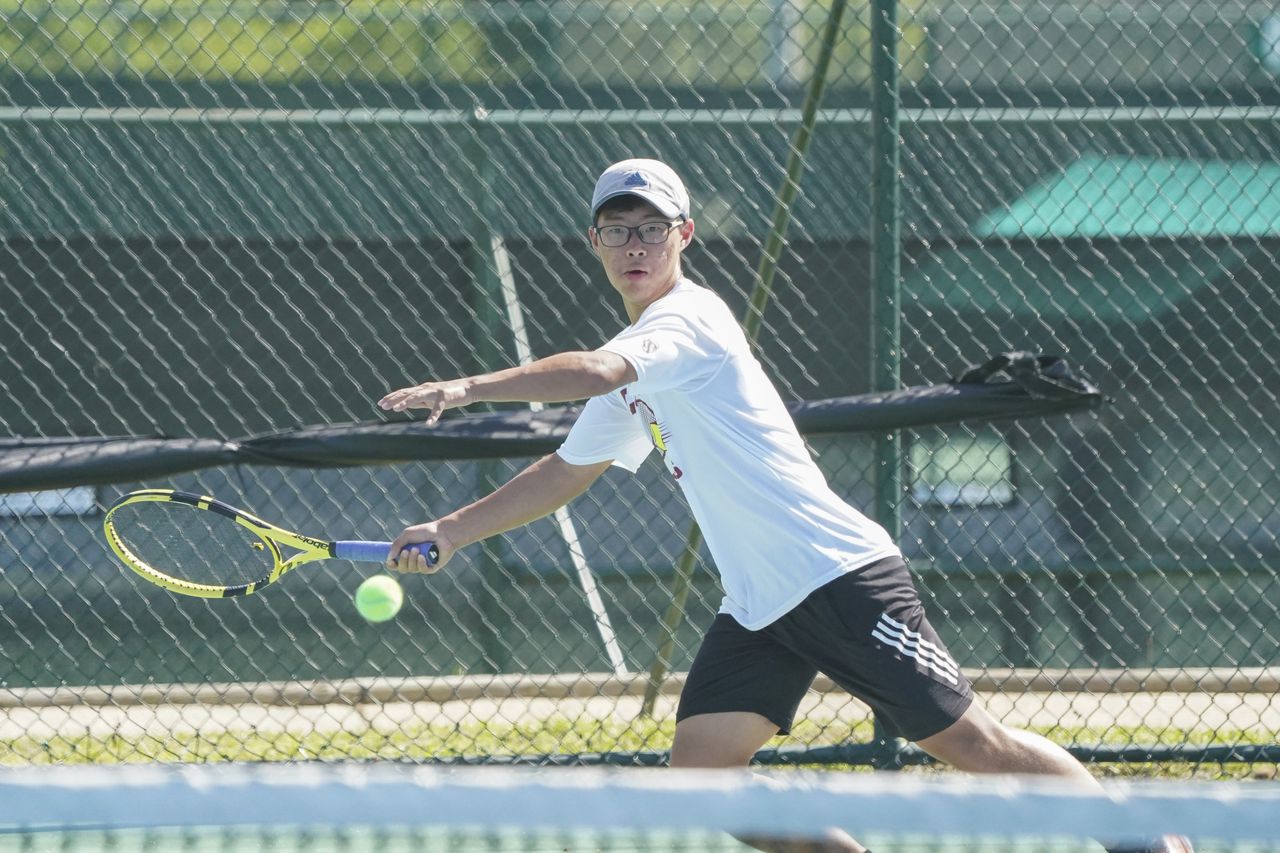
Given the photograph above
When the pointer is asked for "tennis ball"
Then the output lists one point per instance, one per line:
(379, 598)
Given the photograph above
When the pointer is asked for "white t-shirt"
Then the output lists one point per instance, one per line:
(774, 527)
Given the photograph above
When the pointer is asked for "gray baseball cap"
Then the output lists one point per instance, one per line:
(655, 182)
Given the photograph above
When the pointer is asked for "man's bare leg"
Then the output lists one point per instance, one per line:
(730, 740)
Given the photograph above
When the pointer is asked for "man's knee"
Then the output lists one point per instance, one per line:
(708, 756)
(720, 740)
(979, 743)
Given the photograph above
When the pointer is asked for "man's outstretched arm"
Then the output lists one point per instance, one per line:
(555, 379)
(538, 490)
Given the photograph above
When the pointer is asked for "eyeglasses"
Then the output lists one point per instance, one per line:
(652, 233)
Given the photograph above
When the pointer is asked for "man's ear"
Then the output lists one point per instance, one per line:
(686, 233)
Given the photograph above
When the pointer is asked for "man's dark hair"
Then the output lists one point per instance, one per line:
(621, 204)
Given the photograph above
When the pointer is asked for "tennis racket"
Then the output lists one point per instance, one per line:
(197, 545)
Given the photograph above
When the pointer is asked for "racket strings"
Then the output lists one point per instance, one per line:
(192, 545)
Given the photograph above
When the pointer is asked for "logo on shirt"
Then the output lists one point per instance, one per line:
(648, 346)
(657, 435)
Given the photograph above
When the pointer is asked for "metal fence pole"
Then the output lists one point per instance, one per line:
(886, 246)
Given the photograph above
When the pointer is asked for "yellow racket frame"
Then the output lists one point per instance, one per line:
(273, 537)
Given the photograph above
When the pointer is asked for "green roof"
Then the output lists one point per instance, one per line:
(1118, 197)
(1104, 283)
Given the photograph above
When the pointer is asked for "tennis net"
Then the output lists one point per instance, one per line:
(348, 807)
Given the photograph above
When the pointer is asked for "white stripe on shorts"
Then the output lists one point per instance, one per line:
(893, 633)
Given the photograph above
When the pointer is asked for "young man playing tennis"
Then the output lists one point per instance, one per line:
(811, 585)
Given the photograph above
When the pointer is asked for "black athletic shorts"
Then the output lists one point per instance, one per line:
(866, 630)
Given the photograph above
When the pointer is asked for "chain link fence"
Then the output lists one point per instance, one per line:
(221, 219)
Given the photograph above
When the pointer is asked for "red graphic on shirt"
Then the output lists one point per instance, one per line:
(657, 434)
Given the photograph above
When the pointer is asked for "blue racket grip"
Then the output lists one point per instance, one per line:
(359, 551)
